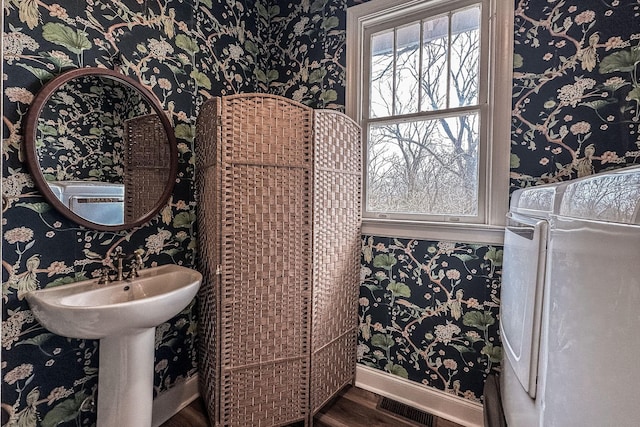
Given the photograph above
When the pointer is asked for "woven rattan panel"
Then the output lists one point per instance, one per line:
(265, 394)
(332, 368)
(146, 165)
(207, 177)
(266, 261)
(336, 249)
(267, 297)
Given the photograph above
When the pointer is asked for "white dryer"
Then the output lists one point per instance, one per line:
(570, 314)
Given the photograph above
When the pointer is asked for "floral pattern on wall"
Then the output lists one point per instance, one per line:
(429, 312)
(576, 95)
(81, 130)
(184, 52)
(226, 47)
(48, 380)
(307, 52)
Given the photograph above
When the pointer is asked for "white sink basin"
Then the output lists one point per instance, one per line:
(123, 316)
(89, 310)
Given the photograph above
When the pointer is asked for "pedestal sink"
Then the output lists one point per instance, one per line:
(123, 316)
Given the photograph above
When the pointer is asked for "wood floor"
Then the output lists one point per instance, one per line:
(354, 407)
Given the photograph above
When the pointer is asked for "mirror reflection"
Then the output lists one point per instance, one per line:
(102, 150)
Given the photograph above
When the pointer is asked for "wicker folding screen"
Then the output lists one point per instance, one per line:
(260, 255)
(146, 165)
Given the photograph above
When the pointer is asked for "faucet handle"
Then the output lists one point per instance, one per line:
(133, 270)
(104, 276)
(118, 253)
(136, 263)
(138, 254)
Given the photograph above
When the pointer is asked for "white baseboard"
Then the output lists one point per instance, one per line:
(172, 401)
(428, 399)
(433, 401)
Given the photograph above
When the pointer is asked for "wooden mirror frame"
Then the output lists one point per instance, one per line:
(31, 153)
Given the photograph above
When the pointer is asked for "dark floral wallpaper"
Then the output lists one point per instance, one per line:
(49, 380)
(575, 111)
(307, 52)
(429, 312)
(576, 94)
(184, 52)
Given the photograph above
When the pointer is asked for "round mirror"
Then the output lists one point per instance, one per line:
(101, 149)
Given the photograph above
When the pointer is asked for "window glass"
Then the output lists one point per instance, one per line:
(424, 166)
(423, 154)
(407, 70)
(435, 45)
(465, 57)
(381, 72)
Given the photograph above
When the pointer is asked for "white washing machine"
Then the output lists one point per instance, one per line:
(570, 313)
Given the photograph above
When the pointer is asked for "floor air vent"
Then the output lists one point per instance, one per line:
(406, 411)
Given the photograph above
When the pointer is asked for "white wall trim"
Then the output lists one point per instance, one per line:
(433, 401)
(462, 233)
(172, 401)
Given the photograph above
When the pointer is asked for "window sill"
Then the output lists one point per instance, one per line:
(461, 233)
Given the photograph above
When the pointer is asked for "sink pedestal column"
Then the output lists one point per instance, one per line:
(125, 380)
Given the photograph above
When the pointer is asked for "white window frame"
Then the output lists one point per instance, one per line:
(494, 154)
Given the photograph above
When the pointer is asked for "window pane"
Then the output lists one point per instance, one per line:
(424, 167)
(434, 62)
(407, 69)
(381, 84)
(465, 57)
